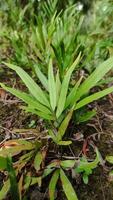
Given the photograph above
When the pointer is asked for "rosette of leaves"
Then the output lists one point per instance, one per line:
(57, 101)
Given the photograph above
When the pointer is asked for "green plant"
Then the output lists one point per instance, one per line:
(50, 44)
(57, 102)
(86, 167)
(54, 36)
(56, 168)
(77, 166)
(51, 32)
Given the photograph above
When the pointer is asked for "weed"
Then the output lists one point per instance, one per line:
(57, 45)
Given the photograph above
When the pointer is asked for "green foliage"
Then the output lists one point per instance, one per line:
(56, 45)
(52, 86)
(52, 107)
(52, 184)
(109, 159)
(11, 183)
(5, 189)
(3, 163)
(79, 166)
(67, 187)
(12, 178)
(38, 160)
(81, 117)
(86, 167)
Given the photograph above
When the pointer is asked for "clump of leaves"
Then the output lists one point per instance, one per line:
(86, 167)
(55, 99)
(56, 168)
(55, 103)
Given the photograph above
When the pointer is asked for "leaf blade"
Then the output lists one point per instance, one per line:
(64, 125)
(52, 86)
(39, 113)
(67, 187)
(95, 77)
(109, 159)
(3, 163)
(13, 181)
(64, 87)
(26, 98)
(52, 184)
(71, 97)
(58, 85)
(93, 97)
(41, 77)
(34, 89)
(37, 161)
(5, 189)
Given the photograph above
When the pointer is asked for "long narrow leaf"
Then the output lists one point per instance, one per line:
(68, 163)
(41, 33)
(64, 125)
(64, 88)
(52, 184)
(18, 146)
(52, 86)
(13, 182)
(5, 189)
(27, 99)
(3, 163)
(34, 89)
(37, 161)
(67, 187)
(41, 77)
(39, 113)
(93, 97)
(58, 85)
(95, 77)
(71, 97)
